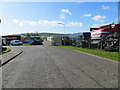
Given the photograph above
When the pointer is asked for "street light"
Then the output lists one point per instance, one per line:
(63, 25)
(64, 30)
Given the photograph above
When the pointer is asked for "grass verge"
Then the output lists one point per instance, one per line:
(101, 53)
(6, 51)
(26, 43)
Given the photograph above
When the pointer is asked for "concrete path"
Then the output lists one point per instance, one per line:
(6, 57)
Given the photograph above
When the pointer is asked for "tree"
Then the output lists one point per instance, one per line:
(28, 35)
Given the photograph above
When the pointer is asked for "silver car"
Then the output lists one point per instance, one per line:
(16, 42)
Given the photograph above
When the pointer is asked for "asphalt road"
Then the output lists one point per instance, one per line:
(46, 66)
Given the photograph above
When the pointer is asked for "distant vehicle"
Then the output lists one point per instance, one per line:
(36, 40)
(16, 42)
(80, 39)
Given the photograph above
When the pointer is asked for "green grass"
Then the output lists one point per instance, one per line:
(101, 53)
(26, 43)
(8, 50)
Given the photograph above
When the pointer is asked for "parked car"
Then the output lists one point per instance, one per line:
(36, 40)
(16, 42)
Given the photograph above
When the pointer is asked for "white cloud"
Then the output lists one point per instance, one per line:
(75, 24)
(16, 21)
(49, 23)
(62, 16)
(105, 24)
(105, 7)
(66, 11)
(19, 22)
(37, 23)
(95, 25)
(2, 20)
(23, 22)
(46, 23)
(45, 31)
(99, 18)
(56, 23)
(98, 25)
(87, 15)
(80, 2)
(31, 23)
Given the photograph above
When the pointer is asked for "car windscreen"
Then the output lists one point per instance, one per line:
(17, 41)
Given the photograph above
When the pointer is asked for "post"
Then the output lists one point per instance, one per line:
(89, 43)
(101, 44)
(119, 48)
(64, 28)
(64, 31)
(64, 34)
(119, 44)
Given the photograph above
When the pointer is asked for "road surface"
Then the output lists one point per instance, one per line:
(46, 66)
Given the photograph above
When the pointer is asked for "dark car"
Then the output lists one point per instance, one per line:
(36, 40)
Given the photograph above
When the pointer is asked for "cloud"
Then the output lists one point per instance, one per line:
(62, 16)
(46, 23)
(98, 25)
(95, 25)
(66, 11)
(99, 18)
(36, 23)
(87, 15)
(105, 7)
(49, 23)
(23, 22)
(105, 24)
(16, 21)
(75, 24)
(19, 22)
(80, 2)
(33, 23)
(2, 20)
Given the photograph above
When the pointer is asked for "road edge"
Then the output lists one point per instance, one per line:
(2, 64)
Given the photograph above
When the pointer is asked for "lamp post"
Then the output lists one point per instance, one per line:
(64, 30)
(63, 25)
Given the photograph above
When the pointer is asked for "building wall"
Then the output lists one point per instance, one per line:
(11, 37)
(49, 39)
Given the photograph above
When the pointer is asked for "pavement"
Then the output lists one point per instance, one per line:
(6, 57)
(44, 66)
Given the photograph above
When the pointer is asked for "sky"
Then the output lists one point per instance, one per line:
(55, 17)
